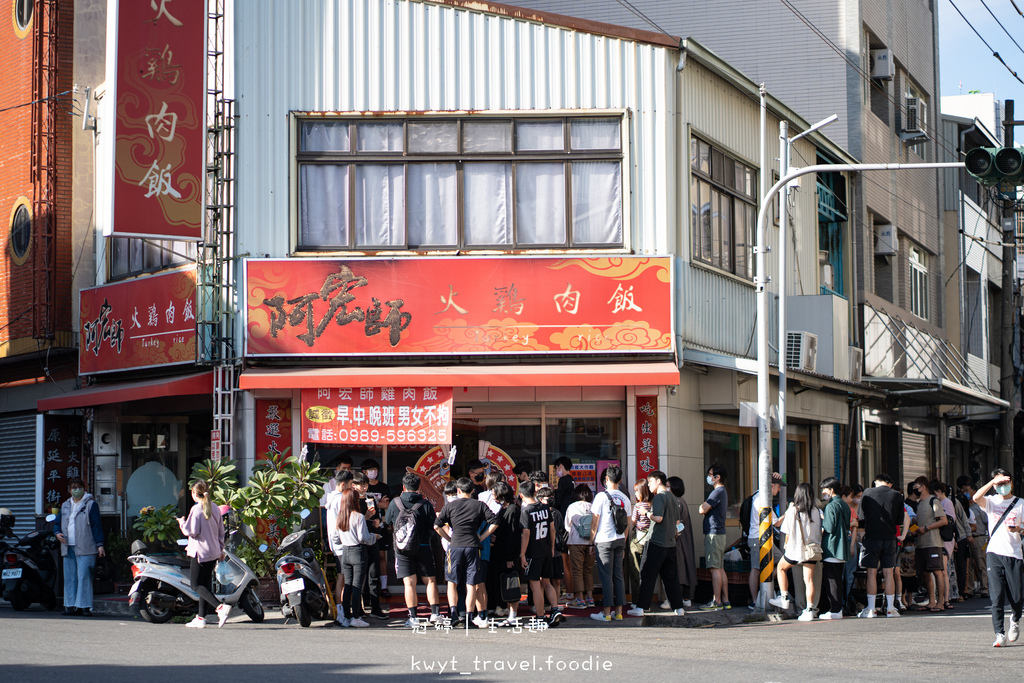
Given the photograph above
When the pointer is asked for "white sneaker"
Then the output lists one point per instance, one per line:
(197, 622)
(1000, 640)
(892, 612)
(223, 611)
(500, 612)
(601, 616)
(636, 612)
(411, 623)
(680, 612)
(357, 623)
(1014, 631)
(479, 622)
(687, 603)
(666, 605)
(343, 622)
(867, 613)
(830, 615)
(434, 617)
(781, 601)
(806, 615)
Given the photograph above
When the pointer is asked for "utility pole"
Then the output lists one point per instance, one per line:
(1008, 374)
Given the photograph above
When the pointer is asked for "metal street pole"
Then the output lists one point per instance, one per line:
(1008, 379)
(764, 455)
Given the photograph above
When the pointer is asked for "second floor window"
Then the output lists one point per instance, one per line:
(462, 183)
(918, 283)
(723, 209)
(131, 256)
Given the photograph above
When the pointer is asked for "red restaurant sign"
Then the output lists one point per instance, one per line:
(63, 458)
(273, 427)
(377, 415)
(140, 323)
(159, 141)
(646, 436)
(464, 305)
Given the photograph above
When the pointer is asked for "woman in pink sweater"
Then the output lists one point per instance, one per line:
(205, 532)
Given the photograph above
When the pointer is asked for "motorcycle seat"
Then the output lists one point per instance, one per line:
(183, 562)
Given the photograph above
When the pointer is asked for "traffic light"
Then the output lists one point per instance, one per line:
(1000, 166)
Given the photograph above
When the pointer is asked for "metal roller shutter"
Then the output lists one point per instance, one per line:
(18, 469)
(916, 456)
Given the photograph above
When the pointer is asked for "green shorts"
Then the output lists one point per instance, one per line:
(714, 549)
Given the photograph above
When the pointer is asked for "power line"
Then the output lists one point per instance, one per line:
(1001, 26)
(28, 104)
(994, 53)
(628, 5)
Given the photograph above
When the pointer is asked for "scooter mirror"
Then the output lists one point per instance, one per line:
(51, 518)
(263, 547)
(182, 542)
(304, 514)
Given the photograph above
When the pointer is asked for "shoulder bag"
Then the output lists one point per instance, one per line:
(809, 552)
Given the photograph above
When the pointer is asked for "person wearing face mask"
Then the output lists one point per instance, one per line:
(713, 510)
(380, 491)
(80, 533)
(476, 470)
(1004, 560)
(835, 549)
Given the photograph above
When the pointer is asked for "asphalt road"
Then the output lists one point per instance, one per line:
(41, 646)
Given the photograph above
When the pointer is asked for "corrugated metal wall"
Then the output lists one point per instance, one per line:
(398, 55)
(18, 464)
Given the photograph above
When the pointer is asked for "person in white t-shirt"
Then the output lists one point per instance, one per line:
(1004, 561)
(754, 539)
(611, 545)
(802, 525)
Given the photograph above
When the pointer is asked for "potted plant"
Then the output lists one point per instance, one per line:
(159, 526)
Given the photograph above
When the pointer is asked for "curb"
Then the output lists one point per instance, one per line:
(700, 619)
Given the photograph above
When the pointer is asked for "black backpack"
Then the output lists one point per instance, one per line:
(561, 535)
(407, 535)
(746, 509)
(619, 516)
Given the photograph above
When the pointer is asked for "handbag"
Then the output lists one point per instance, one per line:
(510, 589)
(809, 552)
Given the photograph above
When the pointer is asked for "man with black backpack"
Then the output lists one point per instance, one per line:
(610, 515)
(412, 518)
(750, 529)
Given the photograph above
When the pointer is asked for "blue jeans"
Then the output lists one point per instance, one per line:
(609, 568)
(78, 579)
(848, 569)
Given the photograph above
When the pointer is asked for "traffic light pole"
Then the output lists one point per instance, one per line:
(1008, 374)
(764, 444)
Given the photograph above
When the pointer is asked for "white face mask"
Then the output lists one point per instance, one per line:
(711, 482)
(1003, 489)
(372, 474)
(450, 498)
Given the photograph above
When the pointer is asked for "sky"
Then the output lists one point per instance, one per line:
(965, 63)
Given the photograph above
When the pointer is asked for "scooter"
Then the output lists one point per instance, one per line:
(304, 592)
(163, 587)
(29, 572)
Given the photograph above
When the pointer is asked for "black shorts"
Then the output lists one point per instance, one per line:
(928, 560)
(557, 568)
(874, 551)
(462, 565)
(538, 568)
(809, 563)
(420, 564)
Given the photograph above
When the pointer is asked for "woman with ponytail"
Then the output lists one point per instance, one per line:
(205, 532)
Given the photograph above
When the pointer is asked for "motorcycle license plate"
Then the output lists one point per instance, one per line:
(12, 574)
(292, 586)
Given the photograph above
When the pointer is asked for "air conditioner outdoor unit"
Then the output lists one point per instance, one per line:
(802, 351)
(882, 65)
(885, 239)
(856, 363)
(913, 105)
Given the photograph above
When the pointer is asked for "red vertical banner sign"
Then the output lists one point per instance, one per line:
(159, 138)
(62, 457)
(273, 426)
(646, 435)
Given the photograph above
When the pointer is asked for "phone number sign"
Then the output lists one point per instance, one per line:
(377, 415)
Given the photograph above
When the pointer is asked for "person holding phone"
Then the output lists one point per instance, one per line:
(1003, 560)
(371, 573)
(204, 530)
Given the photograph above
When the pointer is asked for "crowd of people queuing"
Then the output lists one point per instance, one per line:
(933, 546)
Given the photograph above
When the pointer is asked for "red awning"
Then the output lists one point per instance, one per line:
(568, 375)
(198, 384)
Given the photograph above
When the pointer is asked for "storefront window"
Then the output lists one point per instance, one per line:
(797, 471)
(732, 451)
(592, 443)
(155, 478)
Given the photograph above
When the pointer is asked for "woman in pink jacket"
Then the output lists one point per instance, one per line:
(205, 532)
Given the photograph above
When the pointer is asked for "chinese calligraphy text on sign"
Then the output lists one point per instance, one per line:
(464, 305)
(646, 436)
(273, 427)
(62, 457)
(377, 415)
(141, 323)
(159, 138)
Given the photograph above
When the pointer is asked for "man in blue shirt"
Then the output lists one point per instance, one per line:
(713, 510)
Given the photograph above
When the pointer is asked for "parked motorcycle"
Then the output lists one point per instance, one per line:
(29, 571)
(304, 592)
(163, 587)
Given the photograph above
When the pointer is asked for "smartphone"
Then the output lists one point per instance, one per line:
(371, 505)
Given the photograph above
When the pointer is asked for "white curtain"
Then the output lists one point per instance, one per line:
(380, 205)
(323, 205)
(324, 136)
(596, 202)
(433, 137)
(433, 205)
(486, 136)
(540, 135)
(487, 203)
(595, 134)
(540, 203)
(379, 137)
